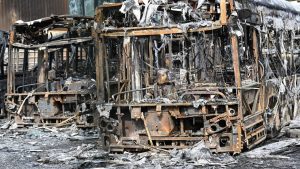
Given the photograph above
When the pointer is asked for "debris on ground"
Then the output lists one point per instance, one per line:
(269, 150)
(198, 155)
(50, 147)
(293, 130)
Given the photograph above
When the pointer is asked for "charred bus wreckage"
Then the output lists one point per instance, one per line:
(168, 74)
(50, 70)
(173, 73)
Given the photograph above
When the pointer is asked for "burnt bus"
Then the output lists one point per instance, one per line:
(50, 71)
(173, 73)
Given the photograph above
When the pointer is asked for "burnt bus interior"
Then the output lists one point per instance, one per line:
(175, 73)
(50, 72)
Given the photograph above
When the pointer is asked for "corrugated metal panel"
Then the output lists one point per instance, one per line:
(26, 10)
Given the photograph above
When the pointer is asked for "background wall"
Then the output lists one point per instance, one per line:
(26, 10)
(86, 7)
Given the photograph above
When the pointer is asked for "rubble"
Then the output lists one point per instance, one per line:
(54, 148)
(198, 155)
(293, 129)
(43, 148)
(270, 150)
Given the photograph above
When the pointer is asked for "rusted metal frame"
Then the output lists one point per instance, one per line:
(99, 56)
(181, 126)
(253, 124)
(256, 131)
(251, 121)
(14, 70)
(236, 67)
(10, 68)
(67, 70)
(246, 105)
(141, 147)
(120, 115)
(256, 105)
(120, 72)
(145, 28)
(153, 31)
(108, 5)
(223, 9)
(99, 67)
(49, 93)
(176, 104)
(245, 87)
(261, 92)
(205, 92)
(151, 59)
(105, 53)
(239, 146)
(120, 89)
(127, 52)
(238, 83)
(42, 66)
(129, 91)
(255, 52)
(136, 73)
(215, 117)
(170, 138)
(54, 44)
(17, 59)
(257, 100)
(123, 65)
(232, 5)
(218, 117)
(147, 129)
(145, 56)
(191, 59)
(25, 66)
(262, 96)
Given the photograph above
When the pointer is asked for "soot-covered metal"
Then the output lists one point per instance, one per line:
(172, 73)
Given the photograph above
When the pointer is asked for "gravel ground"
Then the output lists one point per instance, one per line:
(72, 148)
